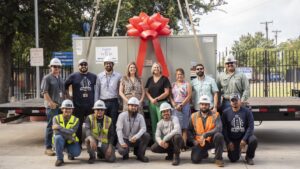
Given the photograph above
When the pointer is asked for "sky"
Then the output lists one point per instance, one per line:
(245, 16)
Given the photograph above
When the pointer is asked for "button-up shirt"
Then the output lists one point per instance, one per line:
(107, 86)
(206, 86)
(234, 83)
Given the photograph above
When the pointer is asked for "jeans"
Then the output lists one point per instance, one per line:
(81, 113)
(175, 143)
(50, 113)
(73, 149)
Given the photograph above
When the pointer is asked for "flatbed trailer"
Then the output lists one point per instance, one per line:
(264, 109)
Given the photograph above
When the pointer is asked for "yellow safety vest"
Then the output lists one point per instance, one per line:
(71, 123)
(103, 133)
(198, 125)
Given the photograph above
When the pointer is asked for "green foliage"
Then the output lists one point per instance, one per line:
(291, 44)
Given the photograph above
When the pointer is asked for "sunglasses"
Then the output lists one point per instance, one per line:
(83, 64)
(199, 68)
(230, 63)
(56, 67)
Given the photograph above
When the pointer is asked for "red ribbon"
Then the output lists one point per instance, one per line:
(147, 28)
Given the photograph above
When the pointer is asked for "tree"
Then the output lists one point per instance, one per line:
(59, 19)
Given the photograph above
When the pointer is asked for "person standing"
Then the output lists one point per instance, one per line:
(100, 134)
(204, 85)
(180, 99)
(157, 91)
(168, 135)
(131, 132)
(205, 132)
(132, 86)
(238, 129)
(52, 89)
(107, 88)
(232, 81)
(65, 126)
(83, 84)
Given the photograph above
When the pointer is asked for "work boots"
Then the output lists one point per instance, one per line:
(176, 159)
(91, 159)
(59, 163)
(49, 152)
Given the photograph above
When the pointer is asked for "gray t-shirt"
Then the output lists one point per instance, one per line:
(54, 86)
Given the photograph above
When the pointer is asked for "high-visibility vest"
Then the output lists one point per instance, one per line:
(198, 124)
(102, 134)
(71, 124)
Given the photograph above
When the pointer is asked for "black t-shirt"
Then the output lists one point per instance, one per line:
(156, 89)
(83, 86)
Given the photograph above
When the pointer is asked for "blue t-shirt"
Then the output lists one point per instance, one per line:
(83, 86)
(237, 125)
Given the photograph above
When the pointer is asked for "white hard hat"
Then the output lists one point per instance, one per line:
(165, 106)
(108, 59)
(99, 104)
(67, 104)
(55, 62)
(204, 99)
(229, 58)
(82, 61)
(133, 100)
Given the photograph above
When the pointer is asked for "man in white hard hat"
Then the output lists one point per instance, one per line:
(65, 126)
(168, 135)
(107, 88)
(52, 89)
(232, 81)
(131, 131)
(100, 134)
(83, 84)
(205, 132)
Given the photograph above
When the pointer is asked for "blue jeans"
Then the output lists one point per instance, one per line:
(50, 113)
(73, 149)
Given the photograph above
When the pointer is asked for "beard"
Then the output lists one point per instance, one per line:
(200, 74)
(83, 70)
(204, 110)
(133, 113)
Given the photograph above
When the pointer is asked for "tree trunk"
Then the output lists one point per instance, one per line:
(5, 67)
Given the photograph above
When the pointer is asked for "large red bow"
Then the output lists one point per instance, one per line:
(149, 28)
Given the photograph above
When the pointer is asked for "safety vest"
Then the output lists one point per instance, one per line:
(71, 123)
(102, 134)
(198, 124)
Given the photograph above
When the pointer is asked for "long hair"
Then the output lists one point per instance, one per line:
(128, 73)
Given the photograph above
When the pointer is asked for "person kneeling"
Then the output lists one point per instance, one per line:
(131, 132)
(100, 134)
(205, 129)
(64, 127)
(168, 135)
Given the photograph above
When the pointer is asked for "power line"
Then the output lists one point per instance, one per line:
(276, 35)
(267, 29)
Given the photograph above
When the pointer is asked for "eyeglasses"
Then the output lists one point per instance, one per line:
(56, 67)
(229, 63)
(199, 68)
(83, 64)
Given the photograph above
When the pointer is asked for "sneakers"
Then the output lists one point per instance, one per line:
(59, 163)
(176, 160)
(143, 159)
(91, 160)
(219, 163)
(249, 161)
(169, 157)
(70, 157)
(49, 152)
(126, 157)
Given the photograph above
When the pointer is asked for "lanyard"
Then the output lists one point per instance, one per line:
(131, 124)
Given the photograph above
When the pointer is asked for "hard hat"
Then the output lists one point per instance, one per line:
(99, 104)
(55, 62)
(165, 106)
(133, 100)
(229, 58)
(235, 96)
(108, 59)
(204, 99)
(82, 61)
(67, 104)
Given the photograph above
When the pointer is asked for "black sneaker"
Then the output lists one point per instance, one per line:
(91, 160)
(59, 163)
(143, 159)
(169, 157)
(126, 157)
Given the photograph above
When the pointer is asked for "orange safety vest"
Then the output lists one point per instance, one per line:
(198, 124)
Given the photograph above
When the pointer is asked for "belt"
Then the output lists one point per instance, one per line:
(110, 100)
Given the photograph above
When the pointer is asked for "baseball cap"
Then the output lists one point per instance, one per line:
(82, 61)
(234, 96)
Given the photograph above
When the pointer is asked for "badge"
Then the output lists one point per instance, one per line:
(99, 144)
(84, 95)
(60, 94)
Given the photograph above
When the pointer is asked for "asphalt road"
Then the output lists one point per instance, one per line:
(21, 147)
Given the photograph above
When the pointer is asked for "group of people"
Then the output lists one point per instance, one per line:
(94, 100)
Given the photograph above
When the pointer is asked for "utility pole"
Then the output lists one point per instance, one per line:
(36, 19)
(266, 74)
(276, 35)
